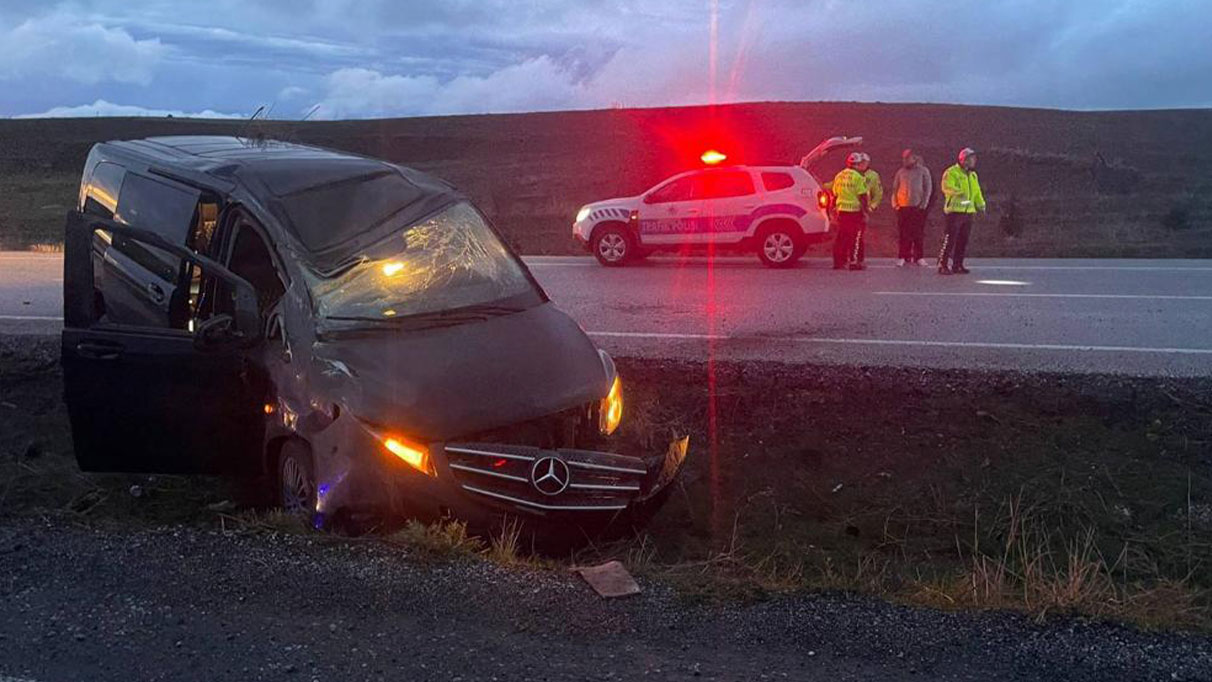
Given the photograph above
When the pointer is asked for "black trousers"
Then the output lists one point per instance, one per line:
(955, 239)
(911, 230)
(846, 244)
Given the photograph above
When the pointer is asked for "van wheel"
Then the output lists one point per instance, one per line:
(780, 247)
(612, 246)
(296, 480)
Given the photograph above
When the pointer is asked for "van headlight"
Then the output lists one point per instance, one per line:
(583, 213)
(610, 410)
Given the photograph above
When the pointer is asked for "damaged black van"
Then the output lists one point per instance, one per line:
(354, 331)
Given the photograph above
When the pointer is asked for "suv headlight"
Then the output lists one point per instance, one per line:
(583, 213)
(610, 410)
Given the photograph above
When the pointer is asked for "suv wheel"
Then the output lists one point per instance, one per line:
(612, 246)
(296, 484)
(779, 247)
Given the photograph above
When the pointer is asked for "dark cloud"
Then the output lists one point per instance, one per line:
(384, 57)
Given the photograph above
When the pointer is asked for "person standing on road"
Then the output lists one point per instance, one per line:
(911, 190)
(963, 198)
(850, 203)
(875, 195)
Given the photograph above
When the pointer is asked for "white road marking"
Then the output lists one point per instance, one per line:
(26, 318)
(904, 342)
(588, 262)
(1001, 294)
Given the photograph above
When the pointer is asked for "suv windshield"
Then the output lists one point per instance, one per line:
(451, 260)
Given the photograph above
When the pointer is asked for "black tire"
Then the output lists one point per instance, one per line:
(295, 480)
(780, 245)
(613, 246)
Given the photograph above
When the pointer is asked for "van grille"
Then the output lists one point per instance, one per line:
(577, 480)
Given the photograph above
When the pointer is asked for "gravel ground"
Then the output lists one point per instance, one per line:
(186, 604)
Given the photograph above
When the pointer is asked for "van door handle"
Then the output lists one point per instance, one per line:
(692, 211)
(749, 207)
(98, 350)
(156, 293)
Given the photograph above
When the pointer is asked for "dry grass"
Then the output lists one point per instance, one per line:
(265, 520)
(504, 545)
(1042, 571)
(446, 539)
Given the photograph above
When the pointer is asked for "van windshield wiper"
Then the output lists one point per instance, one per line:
(434, 318)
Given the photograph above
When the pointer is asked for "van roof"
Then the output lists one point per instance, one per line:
(225, 155)
(286, 169)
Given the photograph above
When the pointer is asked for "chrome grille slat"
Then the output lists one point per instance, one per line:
(596, 486)
(487, 472)
(604, 467)
(486, 453)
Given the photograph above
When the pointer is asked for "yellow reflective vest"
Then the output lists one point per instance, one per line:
(875, 190)
(848, 187)
(962, 190)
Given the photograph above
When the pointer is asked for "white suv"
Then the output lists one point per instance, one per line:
(777, 211)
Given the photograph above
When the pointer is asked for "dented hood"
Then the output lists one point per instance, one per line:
(439, 384)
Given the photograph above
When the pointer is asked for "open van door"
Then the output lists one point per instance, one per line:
(146, 398)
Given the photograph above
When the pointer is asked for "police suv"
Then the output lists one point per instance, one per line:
(775, 211)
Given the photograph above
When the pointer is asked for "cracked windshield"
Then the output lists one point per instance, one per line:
(452, 260)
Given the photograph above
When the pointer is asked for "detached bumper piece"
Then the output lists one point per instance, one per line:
(551, 481)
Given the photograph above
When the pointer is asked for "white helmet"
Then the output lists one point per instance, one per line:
(965, 153)
(854, 159)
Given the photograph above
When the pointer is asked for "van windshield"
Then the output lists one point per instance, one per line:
(449, 261)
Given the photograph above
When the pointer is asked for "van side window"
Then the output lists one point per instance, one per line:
(101, 193)
(139, 284)
(251, 259)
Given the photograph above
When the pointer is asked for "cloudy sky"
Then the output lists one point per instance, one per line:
(372, 58)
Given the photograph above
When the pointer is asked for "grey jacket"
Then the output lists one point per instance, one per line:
(911, 187)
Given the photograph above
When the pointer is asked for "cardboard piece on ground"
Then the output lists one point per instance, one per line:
(609, 579)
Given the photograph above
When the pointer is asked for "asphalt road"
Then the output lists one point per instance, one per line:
(1141, 317)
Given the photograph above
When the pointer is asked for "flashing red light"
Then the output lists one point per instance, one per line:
(499, 463)
(711, 157)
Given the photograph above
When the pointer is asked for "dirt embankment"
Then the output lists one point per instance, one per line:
(1128, 184)
(1046, 493)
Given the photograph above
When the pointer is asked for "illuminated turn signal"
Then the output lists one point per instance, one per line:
(414, 455)
(711, 157)
(392, 268)
(610, 411)
(822, 199)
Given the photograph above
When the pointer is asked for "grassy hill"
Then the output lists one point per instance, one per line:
(1086, 184)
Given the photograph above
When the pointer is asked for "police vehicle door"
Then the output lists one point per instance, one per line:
(729, 199)
(672, 213)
